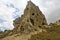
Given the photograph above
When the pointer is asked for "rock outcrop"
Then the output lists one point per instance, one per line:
(32, 19)
(29, 22)
(52, 32)
(34, 23)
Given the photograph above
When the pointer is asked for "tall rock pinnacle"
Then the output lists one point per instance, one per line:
(32, 22)
(32, 18)
(32, 11)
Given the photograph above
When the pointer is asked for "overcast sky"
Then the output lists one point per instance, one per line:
(11, 9)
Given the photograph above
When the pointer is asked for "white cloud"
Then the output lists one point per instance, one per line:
(49, 7)
(46, 6)
(6, 13)
(51, 11)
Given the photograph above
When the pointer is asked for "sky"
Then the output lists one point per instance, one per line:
(12, 9)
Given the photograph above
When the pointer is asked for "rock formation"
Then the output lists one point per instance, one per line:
(52, 32)
(34, 23)
(32, 19)
(29, 22)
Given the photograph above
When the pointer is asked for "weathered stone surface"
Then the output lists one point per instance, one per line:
(5, 33)
(31, 19)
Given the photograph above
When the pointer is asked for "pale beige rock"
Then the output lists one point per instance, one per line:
(31, 19)
(29, 22)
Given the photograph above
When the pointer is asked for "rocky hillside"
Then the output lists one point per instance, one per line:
(34, 23)
(46, 32)
(31, 20)
(52, 32)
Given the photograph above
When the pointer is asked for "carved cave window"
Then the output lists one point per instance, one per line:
(39, 26)
(37, 14)
(27, 20)
(43, 23)
(32, 13)
(21, 28)
(32, 21)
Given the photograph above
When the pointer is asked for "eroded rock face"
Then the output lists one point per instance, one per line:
(31, 19)
(27, 23)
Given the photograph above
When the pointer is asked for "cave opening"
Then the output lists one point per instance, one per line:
(32, 21)
(32, 13)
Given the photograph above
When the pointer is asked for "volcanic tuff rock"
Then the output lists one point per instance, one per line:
(52, 32)
(31, 20)
(33, 23)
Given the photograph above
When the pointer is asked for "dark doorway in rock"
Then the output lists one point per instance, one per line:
(43, 23)
(32, 13)
(32, 21)
(39, 26)
(27, 20)
(37, 14)
(21, 28)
